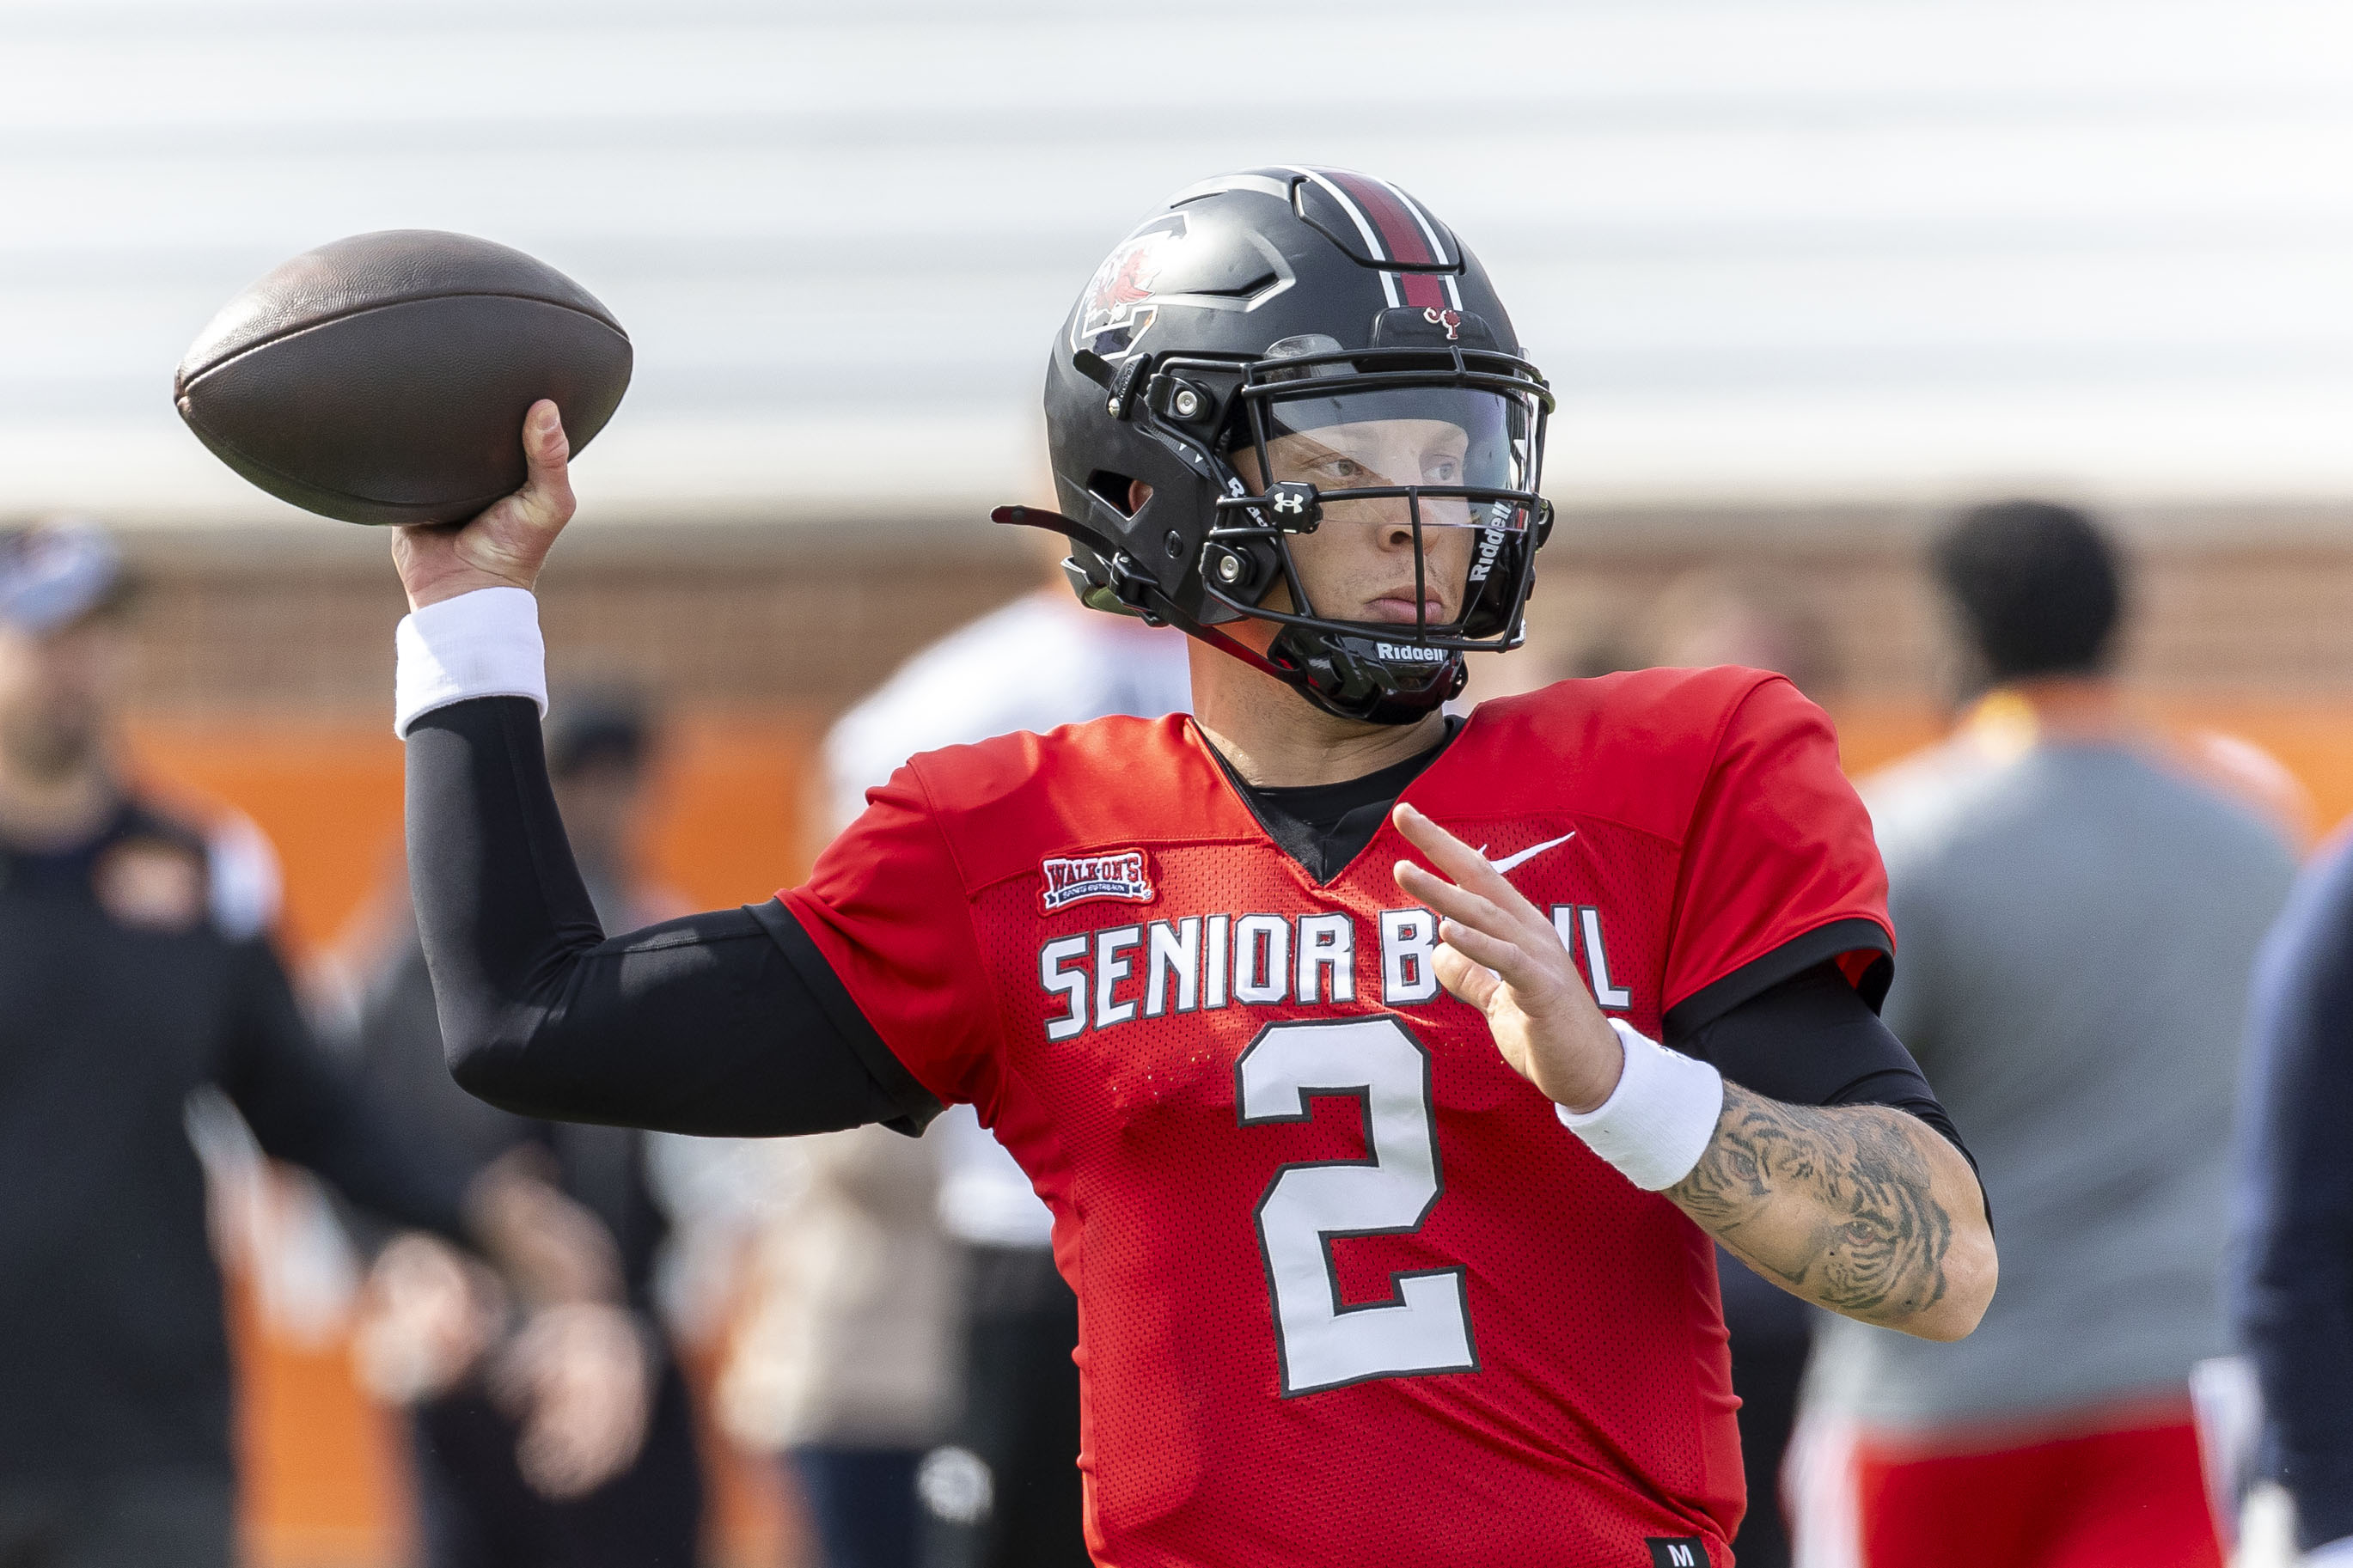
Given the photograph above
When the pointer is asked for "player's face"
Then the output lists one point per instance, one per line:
(55, 692)
(1358, 564)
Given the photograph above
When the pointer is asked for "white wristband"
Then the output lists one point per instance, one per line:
(1660, 1118)
(482, 644)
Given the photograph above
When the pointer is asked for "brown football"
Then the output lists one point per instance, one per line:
(384, 378)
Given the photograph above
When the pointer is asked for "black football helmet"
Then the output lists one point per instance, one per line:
(1271, 304)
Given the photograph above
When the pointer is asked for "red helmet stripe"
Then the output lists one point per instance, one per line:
(1423, 291)
(1403, 235)
(1430, 232)
(1400, 236)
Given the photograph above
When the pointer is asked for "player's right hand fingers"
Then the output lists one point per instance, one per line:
(508, 543)
(515, 532)
(546, 499)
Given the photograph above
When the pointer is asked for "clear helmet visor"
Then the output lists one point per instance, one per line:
(1465, 454)
(1426, 495)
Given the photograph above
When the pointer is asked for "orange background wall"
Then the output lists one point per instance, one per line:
(726, 808)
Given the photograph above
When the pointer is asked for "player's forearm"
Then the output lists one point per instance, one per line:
(1861, 1209)
(501, 907)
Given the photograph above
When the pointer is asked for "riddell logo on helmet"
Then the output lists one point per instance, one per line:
(1491, 544)
(1120, 874)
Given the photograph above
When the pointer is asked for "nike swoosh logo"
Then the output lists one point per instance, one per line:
(1512, 862)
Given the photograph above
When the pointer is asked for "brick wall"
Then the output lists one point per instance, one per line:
(2273, 617)
(811, 623)
(753, 626)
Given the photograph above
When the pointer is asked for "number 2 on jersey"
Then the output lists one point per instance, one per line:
(1425, 1325)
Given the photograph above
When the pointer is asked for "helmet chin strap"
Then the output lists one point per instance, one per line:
(1351, 689)
(1385, 710)
(1373, 703)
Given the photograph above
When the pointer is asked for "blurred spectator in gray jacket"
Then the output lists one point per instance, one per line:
(2077, 907)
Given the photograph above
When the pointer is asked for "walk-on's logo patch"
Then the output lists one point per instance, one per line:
(1677, 1552)
(1122, 875)
(1118, 305)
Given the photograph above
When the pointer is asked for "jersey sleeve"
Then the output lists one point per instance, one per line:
(885, 906)
(1779, 871)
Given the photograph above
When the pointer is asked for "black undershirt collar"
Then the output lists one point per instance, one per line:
(1325, 827)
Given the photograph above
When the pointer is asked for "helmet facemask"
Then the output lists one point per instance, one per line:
(1444, 445)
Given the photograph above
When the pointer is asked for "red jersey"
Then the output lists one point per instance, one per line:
(1349, 1291)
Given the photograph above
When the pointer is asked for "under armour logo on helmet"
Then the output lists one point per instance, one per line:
(1293, 502)
(1450, 320)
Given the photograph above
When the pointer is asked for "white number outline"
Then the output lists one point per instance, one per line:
(1404, 1298)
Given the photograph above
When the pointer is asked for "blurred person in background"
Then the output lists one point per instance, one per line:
(136, 973)
(1737, 613)
(1758, 619)
(2078, 908)
(2292, 1263)
(546, 1433)
(845, 1366)
(1747, 615)
(1006, 1492)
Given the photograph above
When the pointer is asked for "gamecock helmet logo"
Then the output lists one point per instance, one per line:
(1118, 307)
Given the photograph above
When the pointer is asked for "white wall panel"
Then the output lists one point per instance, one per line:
(1769, 248)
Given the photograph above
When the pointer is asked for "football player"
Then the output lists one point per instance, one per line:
(1387, 1071)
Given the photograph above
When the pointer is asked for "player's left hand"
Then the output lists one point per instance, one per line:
(1500, 954)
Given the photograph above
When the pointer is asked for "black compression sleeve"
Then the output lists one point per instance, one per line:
(1812, 1040)
(720, 1024)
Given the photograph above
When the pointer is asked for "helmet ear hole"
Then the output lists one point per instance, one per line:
(1113, 490)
